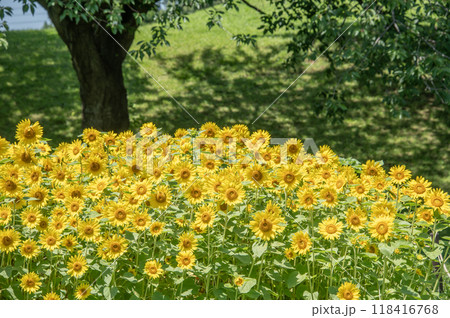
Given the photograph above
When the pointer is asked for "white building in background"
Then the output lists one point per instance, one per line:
(27, 21)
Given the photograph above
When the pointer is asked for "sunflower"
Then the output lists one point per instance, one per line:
(381, 228)
(75, 150)
(77, 266)
(141, 190)
(4, 147)
(195, 193)
(58, 223)
(141, 220)
(43, 224)
(28, 133)
(301, 243)
(360, 189)
(238, 281)
(88, 230)
(232, 193)
(187, 242)
(91, 135)
(348, 291)
(118, 213)
(288, 176)
(5, 215)
(69, 242)
(76, 191)
(184, 172)
(356, 218)
(383, 208)
(94, 165)
(74, 205)
(10, 186)
(329, 197)
(326, 156)
(205, 216)
(153, 269)
(9, 240)
(372, 168)
(38, 195)
(33, 175)
(29, 249)
(156, 228)
(399, 174)
(372, 248)
(115, 246)
(209, 129)
(380, 183)
(306, 198)
(160, 197)
(330, 228)
(257, 175)
(97, 186)
(52, 296)
(419, 187)
(289, 253)
(426, 215)
(83, 291)
(266, 225)
(31, 217)
(24, 157)
(50, 240)
(186, 259)
(30, 282)
(437, 199)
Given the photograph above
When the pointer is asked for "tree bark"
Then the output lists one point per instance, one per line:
(97, 59)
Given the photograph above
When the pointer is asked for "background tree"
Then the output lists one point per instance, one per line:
(402, 46)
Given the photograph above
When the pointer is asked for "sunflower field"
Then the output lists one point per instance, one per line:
(212, 213)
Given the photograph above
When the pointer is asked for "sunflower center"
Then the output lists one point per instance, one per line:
(7, 240)
(88, 230)
(372, 171)
(29, 133)
(94, 166)
(30, 283)
(223, 207)
(354, 220)
(265, 225)
(77, 267)
(331, 229)
(160, 197)
(348, 295)
(38, 195)
(206, 217)
(399, 175)
(43, 224)
(293, 148)
(51, 241)
(308, 200)
(187, 243)
(186, 261)
(301, 244)
(360, 189)
(419, 189)
(60, 175)
(153, 270)
(257, 175)
(141, 222)
(120, 215)
(232, 194)
(185, 174)
(10, 185)
(69, 243)
(210, 132)
(28, 249)
(34, 176)
(382, 228)
(156, 229)
(267, 157)
(92, 137)
(25, 157)
(31, 218)
(141, 190)
(426, 216)
(74, 207)
(115, 247)
(437, 202)
(329, 197)
(76, 194)
(289, 177)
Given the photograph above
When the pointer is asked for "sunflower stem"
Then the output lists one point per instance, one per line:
(260, 271)
(311, 234)
(182, 281)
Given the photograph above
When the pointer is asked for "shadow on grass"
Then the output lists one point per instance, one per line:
(37, 81)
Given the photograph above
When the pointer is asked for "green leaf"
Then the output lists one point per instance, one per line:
(295, 278)
(259, 249)
(110, 292)
(244, 258)
(129, 277)
(247, 286)
(386, 250)
(435, 253)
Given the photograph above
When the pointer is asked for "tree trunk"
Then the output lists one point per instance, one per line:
(97, 59)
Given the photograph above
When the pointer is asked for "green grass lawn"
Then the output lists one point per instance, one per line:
(217, 81)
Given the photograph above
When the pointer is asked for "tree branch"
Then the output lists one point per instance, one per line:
(253, 7)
